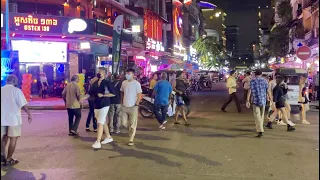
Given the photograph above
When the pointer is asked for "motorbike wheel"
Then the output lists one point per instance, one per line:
(146, 113)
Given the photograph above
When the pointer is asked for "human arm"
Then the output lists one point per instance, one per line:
(22, 102)
(139, 94)
(110, 88)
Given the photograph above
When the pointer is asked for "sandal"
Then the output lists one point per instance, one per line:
(187, 124)
(176, 123)
(11, 162)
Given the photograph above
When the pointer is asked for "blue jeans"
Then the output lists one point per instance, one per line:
(91, 116)
(161, 112)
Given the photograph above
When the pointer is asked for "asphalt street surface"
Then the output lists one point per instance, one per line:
(217, 146)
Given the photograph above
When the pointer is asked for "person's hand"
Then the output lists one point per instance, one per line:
(100, 95)
(29, 118)
(248, 104)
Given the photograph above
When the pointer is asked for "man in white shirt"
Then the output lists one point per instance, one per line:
(12, 101)
(246, 85)
(232, 87)
(131, 96)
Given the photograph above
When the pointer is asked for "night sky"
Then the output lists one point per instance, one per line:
(244, 15)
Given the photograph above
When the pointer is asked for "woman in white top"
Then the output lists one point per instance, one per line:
(44, 84)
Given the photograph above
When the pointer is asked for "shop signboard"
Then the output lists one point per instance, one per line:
(35, 23)
(116, 43)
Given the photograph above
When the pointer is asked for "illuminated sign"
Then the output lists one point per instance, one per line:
(187, 2)
(154, 45)
(1, 20)
(31, 23)
(40, 24)
(177, 22)
(76, 25)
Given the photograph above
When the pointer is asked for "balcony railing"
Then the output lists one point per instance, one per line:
(307, 3)
(308, 35)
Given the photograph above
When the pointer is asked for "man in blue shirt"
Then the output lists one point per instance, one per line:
(162, 92)
(258, 93)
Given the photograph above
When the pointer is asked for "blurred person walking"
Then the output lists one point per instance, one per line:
(12, 101)
(162, 92)
(279, 102)
(115, 106)
(91, 101)
(131, 97)
(246, 85)
(232, 88)
(179, 86)
(102, 92)
(71, 96)
(258, 91)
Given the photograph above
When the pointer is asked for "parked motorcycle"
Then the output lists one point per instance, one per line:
(146, 108)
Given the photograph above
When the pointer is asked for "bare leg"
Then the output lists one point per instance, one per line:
(177, 113)
(100, 132)
(106, 130)
(273, 115)
(288, 109)
(12, 147)
(284, 115)
(182, 110)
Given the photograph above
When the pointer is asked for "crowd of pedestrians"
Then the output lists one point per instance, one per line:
(114, 101)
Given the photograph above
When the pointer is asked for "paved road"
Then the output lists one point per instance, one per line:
(218, 146)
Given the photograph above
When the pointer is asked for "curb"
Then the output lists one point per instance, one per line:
(52, 107)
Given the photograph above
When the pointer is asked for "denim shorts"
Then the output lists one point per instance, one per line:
(179, 100)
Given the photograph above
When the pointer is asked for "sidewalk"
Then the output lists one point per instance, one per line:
(51, 103)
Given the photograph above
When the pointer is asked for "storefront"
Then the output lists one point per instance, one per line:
(59, 46)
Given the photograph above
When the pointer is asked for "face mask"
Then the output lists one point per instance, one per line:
(98, 75)
(128, 76)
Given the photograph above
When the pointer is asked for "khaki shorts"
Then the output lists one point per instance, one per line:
(11, 131)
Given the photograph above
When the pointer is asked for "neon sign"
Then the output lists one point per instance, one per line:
(177, 22)
(155, 45)
(31, 23)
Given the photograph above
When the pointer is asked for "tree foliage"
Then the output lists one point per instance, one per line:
(210, 51)
(284, 11)
(279, 36)
(279, 41)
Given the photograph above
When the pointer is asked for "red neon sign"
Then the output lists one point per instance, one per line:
(35, 24)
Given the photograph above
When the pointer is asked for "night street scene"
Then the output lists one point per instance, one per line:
(160, 90)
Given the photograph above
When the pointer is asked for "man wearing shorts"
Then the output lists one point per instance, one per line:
(12, 101)
(102, 91)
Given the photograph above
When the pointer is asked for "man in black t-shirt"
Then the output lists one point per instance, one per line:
(115, 106)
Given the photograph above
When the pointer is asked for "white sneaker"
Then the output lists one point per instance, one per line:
(106, 141)
(281, 123)
(162, 127)
(291, 123)
(96, 145)
(164, 122)
(305, 122)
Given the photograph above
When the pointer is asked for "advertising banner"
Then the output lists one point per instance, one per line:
(116, 43)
